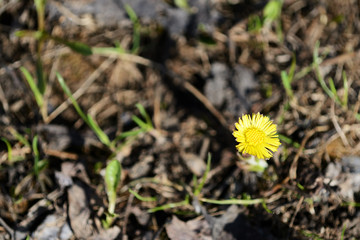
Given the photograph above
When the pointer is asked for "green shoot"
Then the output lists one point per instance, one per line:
(254, 24)
(346, 91)
(136, 28)
(233, 201)
(343, 232)
(183, 4)
(34, 88)
(144, 199)
(352, 204)
(20, 137)
(287, 78)
(301, 187)
(112, 178)
(87, 118)
(36, 156)
(317, 61)
(78, 47)
(145, 126)
(9, 148)
(38, 91)
(272, 13)
(170, 205)
(288, 140)
(331, 91)
(199, 187)
(40, 9)
(310, 235)
(272, 10)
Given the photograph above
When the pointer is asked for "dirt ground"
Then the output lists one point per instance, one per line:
(195, 67)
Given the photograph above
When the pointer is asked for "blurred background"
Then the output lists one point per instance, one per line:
(116, 119)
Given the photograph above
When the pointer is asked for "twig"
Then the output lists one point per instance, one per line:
(82, 89)
(337, 126)
(296, 211)
(293, 168)
(7, 228)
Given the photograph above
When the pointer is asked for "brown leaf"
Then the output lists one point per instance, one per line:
(178, 230)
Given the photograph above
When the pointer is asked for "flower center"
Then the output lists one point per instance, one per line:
(254, 136)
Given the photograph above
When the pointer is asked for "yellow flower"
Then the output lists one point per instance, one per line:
(256, 136)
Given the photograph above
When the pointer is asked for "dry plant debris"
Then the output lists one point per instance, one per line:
(157, 85)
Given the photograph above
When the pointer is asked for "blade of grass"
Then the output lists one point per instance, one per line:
(20, 137)
(34, 88)
(346, 91)
(72, 99)
(287, 85)
(136, 28)
(9, 148)
(170, 205)
(144, 199)
(144, 114)
(316, 61)
(139, 122)
(36, 156)
(203, 180)
(233, 201)
(101, 135)
(87, 119)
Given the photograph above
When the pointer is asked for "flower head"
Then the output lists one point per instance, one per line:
(256, 136)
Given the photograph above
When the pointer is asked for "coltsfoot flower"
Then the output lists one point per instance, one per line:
(257, 136)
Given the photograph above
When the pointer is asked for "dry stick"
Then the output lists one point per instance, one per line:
(206, 103)
(81, 90)
(296, 211)
(339, 59)
(73, 17)
(7, 228)
(3, 100)
(293, 168)
(128, 212)
(337, 126)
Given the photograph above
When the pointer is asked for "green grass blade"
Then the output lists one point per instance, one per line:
(343, 232)
(203, 179)
(9, 148)
(72, 99)
(346, 91)
(316, 64)
(136, 28)
(36, 156)
(129, 134)
(334, 91)
(20, 137)
(144, 114)
(40, 9)
(272, 10)
(79, 47)
(170, 205)
(41, 77)
(87, 118)
(100, 133)
(292, 69)
(233, 201)
(144, 199)
(139, 122)
(287, 85)
(34, 88)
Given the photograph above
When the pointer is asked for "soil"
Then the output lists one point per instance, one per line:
(196, 69)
